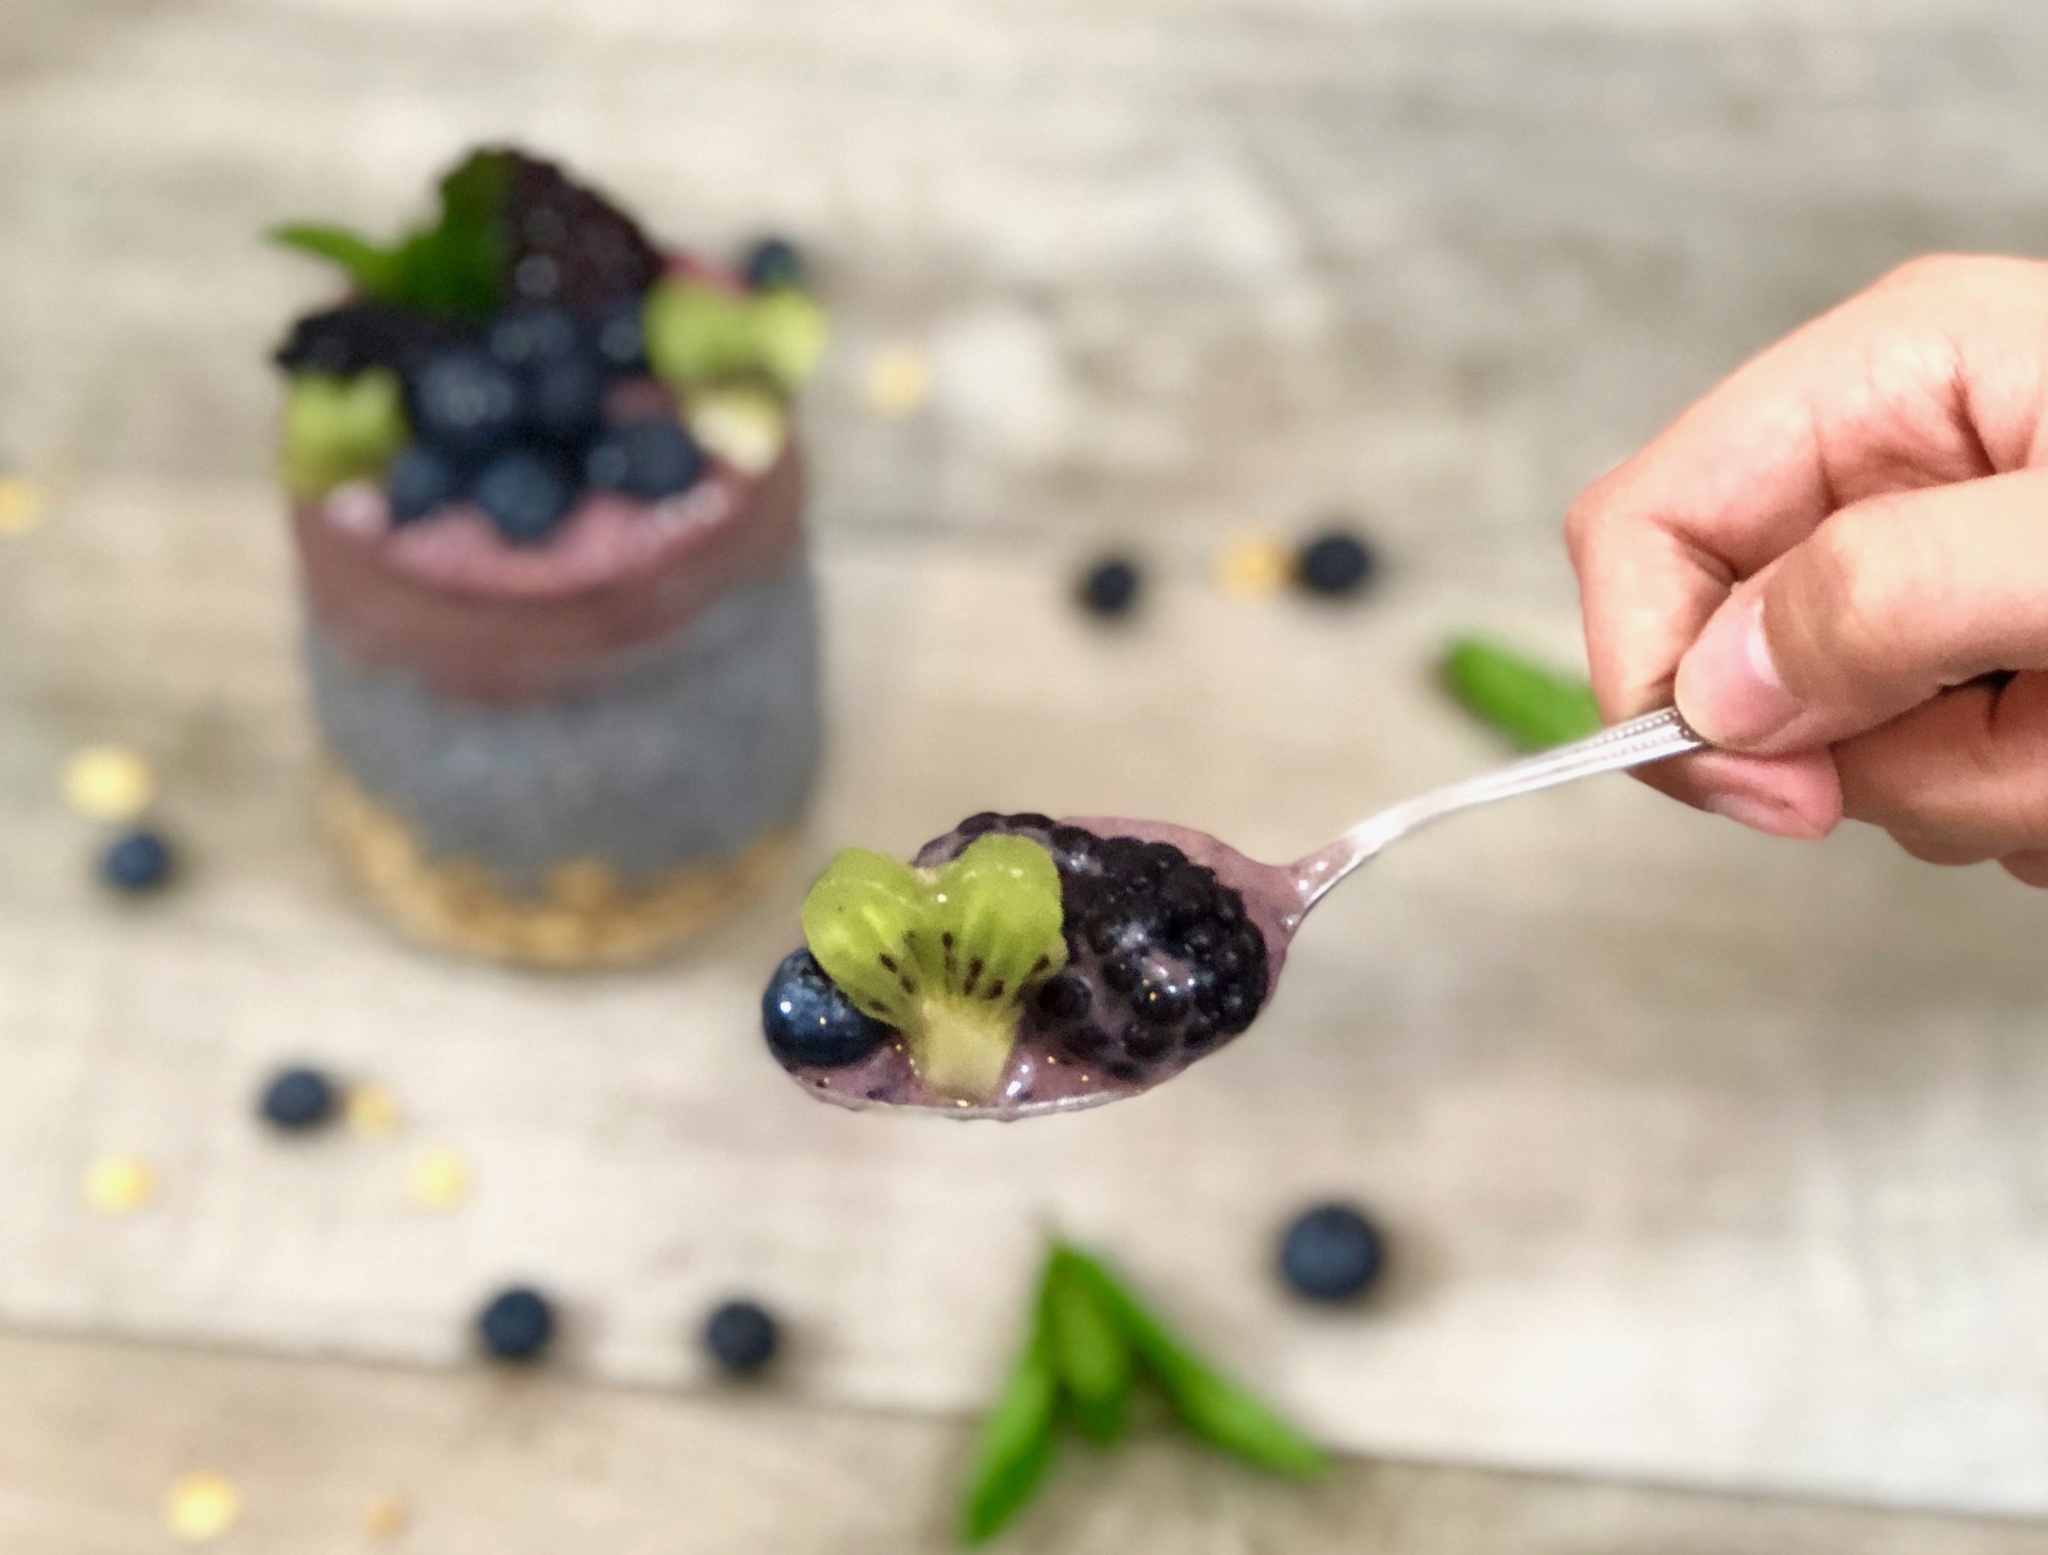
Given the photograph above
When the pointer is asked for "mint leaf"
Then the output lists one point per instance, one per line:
(1534, 706)
(373, 269)
(1016, 1438)
(1090, 1350)
(451, 269)
(1215, 1408)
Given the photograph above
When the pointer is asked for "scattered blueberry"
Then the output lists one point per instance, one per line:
(1331, 1253)
(621, 337)
(140, 861)
(526, 494)
(774, 262)
(420, 481)
(299, 1099)
(808, 1020)
(1110, 587)
(742, 1337)
(517, 1324)
(467, 403)
(1336, 564)
(525, 338)
(647, 459)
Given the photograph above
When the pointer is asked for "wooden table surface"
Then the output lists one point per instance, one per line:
(1708, 1160)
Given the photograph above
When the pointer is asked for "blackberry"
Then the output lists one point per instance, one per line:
(568, 245)
(341, 342)
(620, 334)
(1162, 963)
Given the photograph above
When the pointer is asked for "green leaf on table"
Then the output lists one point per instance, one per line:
(1016, 1439)
(1091, 1351)
(1534, 706)
(1220, 1411)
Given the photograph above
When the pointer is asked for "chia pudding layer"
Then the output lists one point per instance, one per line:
(571, 754)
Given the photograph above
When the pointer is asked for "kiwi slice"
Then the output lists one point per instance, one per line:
(341, 429)
(944, 955)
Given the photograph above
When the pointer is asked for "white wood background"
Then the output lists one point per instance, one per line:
(1709, 1160)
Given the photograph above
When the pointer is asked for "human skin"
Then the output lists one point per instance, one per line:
(1837, 565)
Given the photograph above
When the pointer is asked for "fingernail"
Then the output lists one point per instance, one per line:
(1758, 815)
(1728, 687)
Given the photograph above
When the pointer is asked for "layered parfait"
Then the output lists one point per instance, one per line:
(559, 623)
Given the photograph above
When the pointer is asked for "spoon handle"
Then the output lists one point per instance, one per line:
(1657, 736)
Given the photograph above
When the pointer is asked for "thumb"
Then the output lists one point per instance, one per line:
(1883, 606)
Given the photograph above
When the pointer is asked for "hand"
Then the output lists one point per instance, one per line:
(1836, 561)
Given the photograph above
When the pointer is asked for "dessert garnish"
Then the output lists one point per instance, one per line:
(531, 349)
(742, 1338)
(517, 1324)
(1089, 1344)
(1110, 587)
(1336, 564)
(298, 1100)
(137, 862)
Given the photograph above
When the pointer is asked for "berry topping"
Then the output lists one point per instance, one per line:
(467, 403)
(341, 342)
(566, 244)
(621, 338)
(1336, 564)
(517, 1324)
(140, 861)
(1161, 965)
(340, 429)
(1331, 1253)
(809, 1021)
(525, 338)
(647, 459)
(1110, 588)
(420, 481)
(526, 495)
(742, 1337)
(566, 396)
(946, 955)
(774, 262)
(298, 1099)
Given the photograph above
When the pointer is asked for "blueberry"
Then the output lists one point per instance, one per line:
(140, 861)
(1336, 564)
(567, 398)
(774, 262)
(809, 1021)
(420, 480)
(298, 1099)
(467, 403)
(526, 494)
(621, 338)
(1331, 1253)
(648, 459)
(517, 1324)
(1110, 587)
(742, 1337)
(526, 338)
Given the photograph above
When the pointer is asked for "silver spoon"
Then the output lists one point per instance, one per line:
(1042, 1078)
